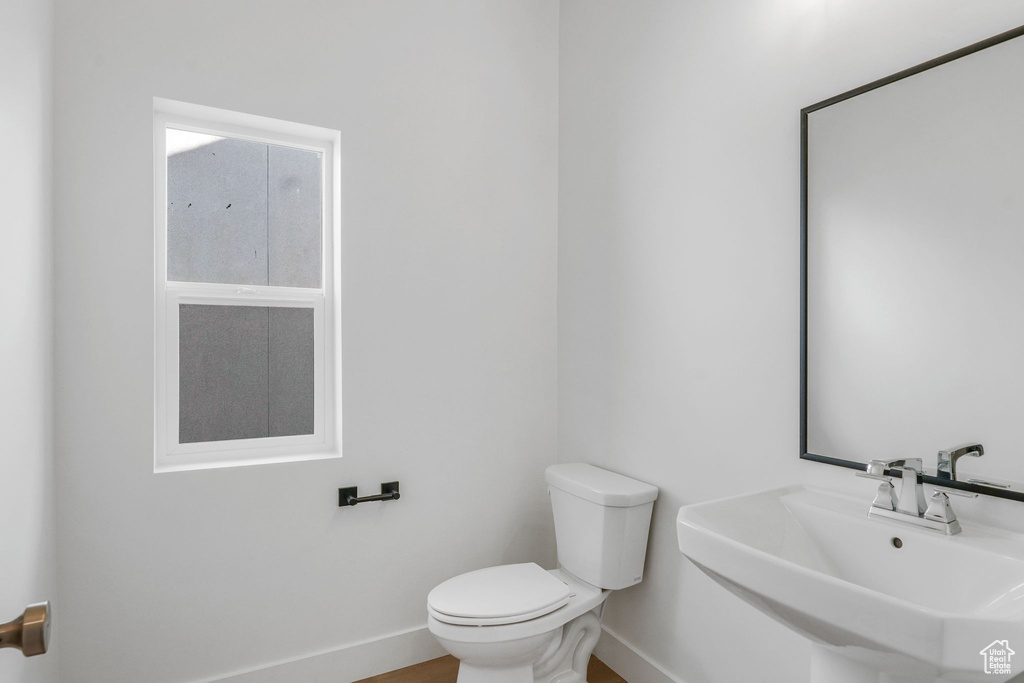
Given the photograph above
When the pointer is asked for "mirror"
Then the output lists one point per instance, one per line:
(913, 268)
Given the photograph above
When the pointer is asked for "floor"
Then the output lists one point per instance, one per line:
(445, 669)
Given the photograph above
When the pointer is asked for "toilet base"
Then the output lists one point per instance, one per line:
(474, 673)
(568, 663)
(564, 660)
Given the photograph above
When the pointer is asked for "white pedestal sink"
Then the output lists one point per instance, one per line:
(883, 602)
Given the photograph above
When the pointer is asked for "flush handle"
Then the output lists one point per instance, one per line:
(30, 632)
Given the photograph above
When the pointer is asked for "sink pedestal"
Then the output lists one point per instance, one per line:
(828, 666)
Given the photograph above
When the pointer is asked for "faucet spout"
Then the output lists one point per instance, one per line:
(949, 456)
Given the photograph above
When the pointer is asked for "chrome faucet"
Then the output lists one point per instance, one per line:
(911, 499)
(948, 458)
(909, 507)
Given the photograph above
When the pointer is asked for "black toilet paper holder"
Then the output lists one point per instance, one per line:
(349, 495)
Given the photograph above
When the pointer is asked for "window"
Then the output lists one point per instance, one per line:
(246, 289)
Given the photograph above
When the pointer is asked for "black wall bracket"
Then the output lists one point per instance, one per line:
(349, 495)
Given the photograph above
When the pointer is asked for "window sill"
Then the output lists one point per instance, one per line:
(207, 461)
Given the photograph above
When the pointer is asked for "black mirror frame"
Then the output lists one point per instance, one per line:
(839, 462)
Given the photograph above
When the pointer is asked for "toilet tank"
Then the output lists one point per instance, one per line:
(601, 523)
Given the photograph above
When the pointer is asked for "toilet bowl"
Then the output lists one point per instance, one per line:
(523, 647)
(519, 623)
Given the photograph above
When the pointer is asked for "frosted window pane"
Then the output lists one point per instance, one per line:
(244, 372)
(295, 196)
(243, 212)
(291, 371)
(216, 209)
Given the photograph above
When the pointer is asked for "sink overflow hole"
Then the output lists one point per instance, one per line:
(896, 543)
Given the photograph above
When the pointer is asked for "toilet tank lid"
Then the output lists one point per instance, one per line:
(600, 486)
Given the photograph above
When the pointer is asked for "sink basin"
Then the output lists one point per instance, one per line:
(881, 601)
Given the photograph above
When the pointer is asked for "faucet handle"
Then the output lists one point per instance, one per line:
(875, 469)
(885, 497)
(939, 509)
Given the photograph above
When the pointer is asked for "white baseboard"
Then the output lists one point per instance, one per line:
(405, 648)
(347, 663)
(629, 662)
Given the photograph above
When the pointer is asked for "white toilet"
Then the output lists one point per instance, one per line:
(518, 623)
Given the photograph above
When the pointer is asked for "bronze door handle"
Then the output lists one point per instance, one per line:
(30, 632)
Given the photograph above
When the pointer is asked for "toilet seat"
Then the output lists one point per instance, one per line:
(583, 598)
(507, 594)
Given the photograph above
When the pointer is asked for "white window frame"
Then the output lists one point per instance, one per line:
(324, 443)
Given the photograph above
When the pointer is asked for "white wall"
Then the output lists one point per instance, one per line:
(679, 269)
(448, 118)
(27, 550)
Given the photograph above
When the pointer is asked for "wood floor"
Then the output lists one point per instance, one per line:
(445, 669)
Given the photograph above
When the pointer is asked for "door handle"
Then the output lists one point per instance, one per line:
(30, 632)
